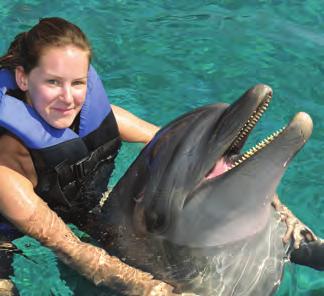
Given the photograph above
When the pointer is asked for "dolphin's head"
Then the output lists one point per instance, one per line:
(193, 186)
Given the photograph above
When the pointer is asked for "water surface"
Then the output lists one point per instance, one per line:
(160, 59)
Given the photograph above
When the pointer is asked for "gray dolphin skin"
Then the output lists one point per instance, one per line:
(196, 212)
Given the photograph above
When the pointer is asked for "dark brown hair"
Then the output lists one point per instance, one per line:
(27, 47)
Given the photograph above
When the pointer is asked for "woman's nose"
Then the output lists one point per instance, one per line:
(67, 94)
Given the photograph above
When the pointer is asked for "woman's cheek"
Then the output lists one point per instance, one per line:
(48, 94)
(80, 97)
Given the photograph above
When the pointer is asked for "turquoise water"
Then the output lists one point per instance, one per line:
(159, 59)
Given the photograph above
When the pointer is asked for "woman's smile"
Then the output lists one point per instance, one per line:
(64, 111)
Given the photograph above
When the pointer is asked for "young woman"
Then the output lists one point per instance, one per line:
(59, 138)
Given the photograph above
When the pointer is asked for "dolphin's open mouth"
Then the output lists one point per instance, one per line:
(233, 157)
(192, 186)
(231, 197)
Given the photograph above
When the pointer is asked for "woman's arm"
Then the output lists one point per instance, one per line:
(132, 128)
(27, 211)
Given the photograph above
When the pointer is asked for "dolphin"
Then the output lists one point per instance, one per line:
(195, 211)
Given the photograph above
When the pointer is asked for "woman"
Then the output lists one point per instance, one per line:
(58, 143)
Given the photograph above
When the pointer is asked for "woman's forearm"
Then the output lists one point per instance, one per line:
(92, 262)
(31, 215)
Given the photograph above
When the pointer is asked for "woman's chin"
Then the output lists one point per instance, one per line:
(61, 124)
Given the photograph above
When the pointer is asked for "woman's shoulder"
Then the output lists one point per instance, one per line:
(14, 155)
(11, 144)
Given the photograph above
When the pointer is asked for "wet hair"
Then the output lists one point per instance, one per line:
(27, 47)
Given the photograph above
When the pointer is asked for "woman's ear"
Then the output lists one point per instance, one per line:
(21, 78)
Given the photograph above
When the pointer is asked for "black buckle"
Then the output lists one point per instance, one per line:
(79, 169)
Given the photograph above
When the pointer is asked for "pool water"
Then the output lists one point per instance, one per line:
(159, 59)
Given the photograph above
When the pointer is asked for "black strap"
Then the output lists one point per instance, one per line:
(84, 167)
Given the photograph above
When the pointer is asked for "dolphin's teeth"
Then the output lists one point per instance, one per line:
(256, 148)
(250, 124)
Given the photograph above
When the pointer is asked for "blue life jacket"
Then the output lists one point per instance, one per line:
(73, 168)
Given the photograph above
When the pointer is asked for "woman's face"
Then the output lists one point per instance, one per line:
(57, 87)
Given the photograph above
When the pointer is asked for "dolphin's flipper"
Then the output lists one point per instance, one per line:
(309, 254)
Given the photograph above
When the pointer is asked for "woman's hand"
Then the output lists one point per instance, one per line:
(296, 230)
(112, 272)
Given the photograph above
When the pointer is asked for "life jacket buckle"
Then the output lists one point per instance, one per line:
(79, 169)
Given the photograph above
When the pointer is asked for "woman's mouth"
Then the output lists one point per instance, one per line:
(64, 111)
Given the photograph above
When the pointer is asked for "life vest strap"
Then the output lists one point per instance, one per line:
(83, 168)
(88, 164)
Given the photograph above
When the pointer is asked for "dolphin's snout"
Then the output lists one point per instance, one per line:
(304, 123)
(263, 90)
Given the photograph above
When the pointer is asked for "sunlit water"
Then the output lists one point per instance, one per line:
(160, 59)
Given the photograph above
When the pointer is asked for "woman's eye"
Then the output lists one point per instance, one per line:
(79, 82)
(53, 82)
